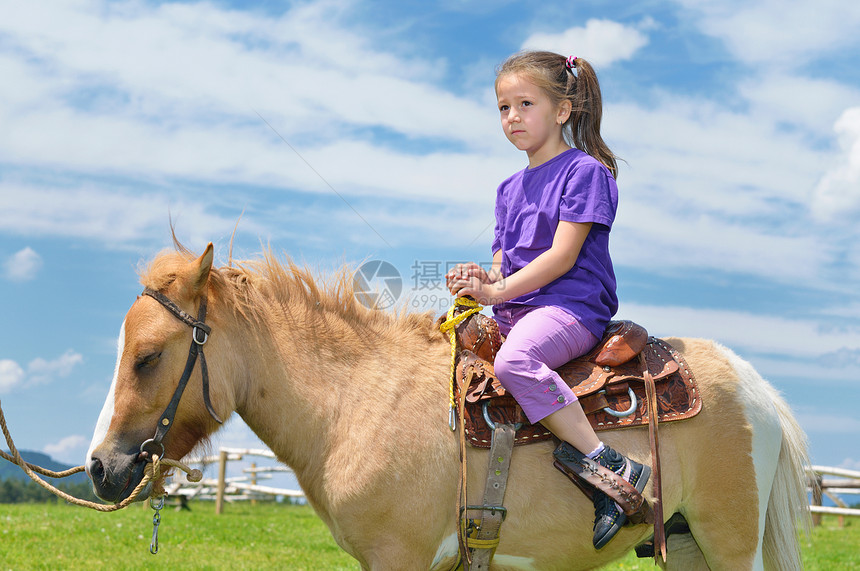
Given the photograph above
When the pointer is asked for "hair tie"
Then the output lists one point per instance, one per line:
(570, 64)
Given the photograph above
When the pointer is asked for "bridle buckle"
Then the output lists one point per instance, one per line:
(195, 335)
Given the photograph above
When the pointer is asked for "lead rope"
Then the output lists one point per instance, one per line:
(151, 473)
(449, 326)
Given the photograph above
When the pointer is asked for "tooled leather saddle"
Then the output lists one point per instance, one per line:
(608, 381)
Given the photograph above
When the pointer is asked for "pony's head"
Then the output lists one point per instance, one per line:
(145, 411)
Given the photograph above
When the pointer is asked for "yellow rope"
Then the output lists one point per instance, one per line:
(473, 543)
(152, 473)
(449, 326)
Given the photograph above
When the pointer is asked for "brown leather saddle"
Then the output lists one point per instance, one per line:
(609, 382)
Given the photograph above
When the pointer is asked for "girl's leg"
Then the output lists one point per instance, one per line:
(571, 425)
(538, 342)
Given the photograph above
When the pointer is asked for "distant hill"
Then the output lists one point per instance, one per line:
(9, 470)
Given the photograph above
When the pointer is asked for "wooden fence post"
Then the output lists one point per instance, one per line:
(816, 498)
(253, 481)
(222, 482)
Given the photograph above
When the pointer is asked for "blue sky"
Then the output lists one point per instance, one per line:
(349, 131)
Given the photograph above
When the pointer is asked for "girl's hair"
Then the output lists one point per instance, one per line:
(579, 85)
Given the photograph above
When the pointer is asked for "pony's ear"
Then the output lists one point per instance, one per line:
(197, 275)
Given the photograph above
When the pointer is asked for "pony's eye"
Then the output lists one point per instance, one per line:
(147, 361)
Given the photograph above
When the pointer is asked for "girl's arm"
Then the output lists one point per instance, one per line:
(496, 270)
(550, 265)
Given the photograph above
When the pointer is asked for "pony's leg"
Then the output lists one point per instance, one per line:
(766, 441)
(764, 431)
(683, 554)
(722, 516)
(721, 499)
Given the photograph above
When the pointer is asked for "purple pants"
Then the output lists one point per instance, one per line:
(539, 339)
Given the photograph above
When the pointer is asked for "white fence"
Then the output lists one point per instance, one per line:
(845, 482)
(838, 482)
(239, 488)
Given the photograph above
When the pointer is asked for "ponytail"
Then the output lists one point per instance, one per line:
(571, 79)
(583, 127)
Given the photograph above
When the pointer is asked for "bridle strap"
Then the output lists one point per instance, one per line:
(199, 336)
(168, 304)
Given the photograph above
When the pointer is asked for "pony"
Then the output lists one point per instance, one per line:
(355, 401)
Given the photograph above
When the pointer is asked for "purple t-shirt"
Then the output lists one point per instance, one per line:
(574, 187)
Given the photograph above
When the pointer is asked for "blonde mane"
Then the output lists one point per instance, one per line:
(254, 288)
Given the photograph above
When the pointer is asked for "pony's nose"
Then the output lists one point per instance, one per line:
(96, 470)
(114, 475)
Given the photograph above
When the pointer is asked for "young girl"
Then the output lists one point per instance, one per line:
(551, 284)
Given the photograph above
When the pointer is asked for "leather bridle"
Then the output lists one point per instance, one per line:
(199, 335)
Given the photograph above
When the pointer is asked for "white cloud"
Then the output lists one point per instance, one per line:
(196, 65)
(179, 102)
(788, 368)
(719, 189)
(846, 310)
(814, 105)
(737, 329)
(68, 449)
(850, 464)
(39, 371)
(837, 196)
(601, 42)
(789, 33)
(23, 265)
(744, 162)
(664, 239)
(119, 218)
(828, 423)
(11, 375)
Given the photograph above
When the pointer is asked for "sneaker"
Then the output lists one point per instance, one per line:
(608, 515)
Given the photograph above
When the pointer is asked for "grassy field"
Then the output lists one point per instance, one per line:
(268, 536)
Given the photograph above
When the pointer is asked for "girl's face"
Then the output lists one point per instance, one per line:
(531, 121)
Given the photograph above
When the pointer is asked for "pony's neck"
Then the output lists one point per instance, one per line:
(319, 375)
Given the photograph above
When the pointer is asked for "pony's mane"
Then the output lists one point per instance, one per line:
(253, 287)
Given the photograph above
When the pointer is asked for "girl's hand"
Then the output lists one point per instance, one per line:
(473, 281)
(463, 272)
(474, 288)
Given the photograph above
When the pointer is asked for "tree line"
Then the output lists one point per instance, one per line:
(17, 491)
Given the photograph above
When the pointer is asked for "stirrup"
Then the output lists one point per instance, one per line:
(586, 473)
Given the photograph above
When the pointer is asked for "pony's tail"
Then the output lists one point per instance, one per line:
(788, 501)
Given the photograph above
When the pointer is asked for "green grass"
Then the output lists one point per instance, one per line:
(833, 547)
(266, 536)
(830, 548)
